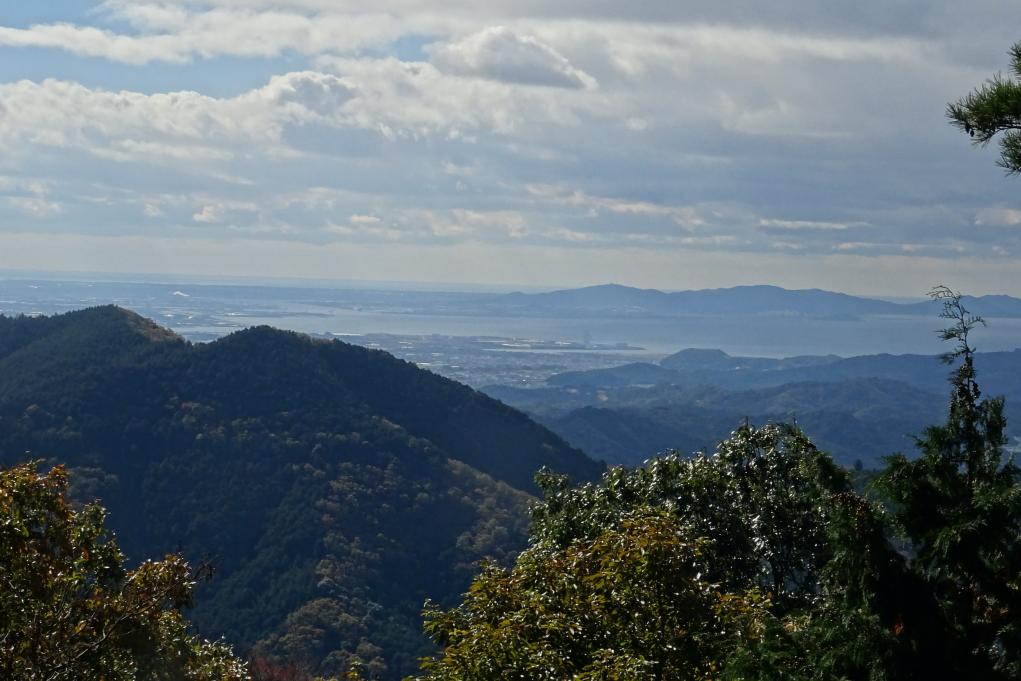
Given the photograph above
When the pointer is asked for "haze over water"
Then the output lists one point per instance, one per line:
(202, 311)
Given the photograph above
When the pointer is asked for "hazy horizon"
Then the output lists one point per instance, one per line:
(15, 274)
(739, 323)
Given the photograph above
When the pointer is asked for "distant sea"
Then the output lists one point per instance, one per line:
(204, 310)
(758, 337)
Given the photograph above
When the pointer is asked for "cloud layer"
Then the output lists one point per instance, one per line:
(758, 134)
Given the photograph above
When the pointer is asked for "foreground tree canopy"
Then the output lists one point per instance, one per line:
(959, 505)
(994, 108)
(69, 610)
(761, 562)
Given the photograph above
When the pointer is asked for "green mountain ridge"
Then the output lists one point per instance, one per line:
(860, 420)
(858, 408)
(334, 487)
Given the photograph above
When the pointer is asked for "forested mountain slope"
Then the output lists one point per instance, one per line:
(856, 420)
(334, 487)
(857, 408)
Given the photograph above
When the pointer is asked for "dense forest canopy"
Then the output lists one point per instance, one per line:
(334, 488)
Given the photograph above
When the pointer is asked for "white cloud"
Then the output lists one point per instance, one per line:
(236, 214)
(128, 150)
(23, 185)
(180, 126)
(62, 114)
(685, 216)
(179, 33)
(660, 126)
(798, 225)
(208, 214)
(93, 42)
(411, 100)
(998, 217)
(498, 53)
(317, 93)
(636, 124)
(34, 206)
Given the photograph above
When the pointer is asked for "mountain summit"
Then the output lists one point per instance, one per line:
(335, 487)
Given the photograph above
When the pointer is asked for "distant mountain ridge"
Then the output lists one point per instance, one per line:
(860, 420)
(858, 408)
(1001, 371)
(336, 487)
(737, 300)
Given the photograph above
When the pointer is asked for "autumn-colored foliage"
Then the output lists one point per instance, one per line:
(70, 610)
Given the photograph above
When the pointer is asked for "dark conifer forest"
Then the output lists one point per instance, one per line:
(333, 489)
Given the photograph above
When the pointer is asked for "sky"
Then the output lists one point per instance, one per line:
(662, 143)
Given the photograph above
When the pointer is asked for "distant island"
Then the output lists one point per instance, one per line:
(737, 300)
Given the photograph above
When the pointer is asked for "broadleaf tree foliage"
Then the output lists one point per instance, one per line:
(70, 610)
(636, 602)
(761, 562)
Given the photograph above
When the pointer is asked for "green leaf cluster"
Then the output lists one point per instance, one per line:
(635, 603)
(684, 568)
(70, 610)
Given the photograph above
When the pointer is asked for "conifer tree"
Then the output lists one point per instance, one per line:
(958, 506)
(994, 108)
